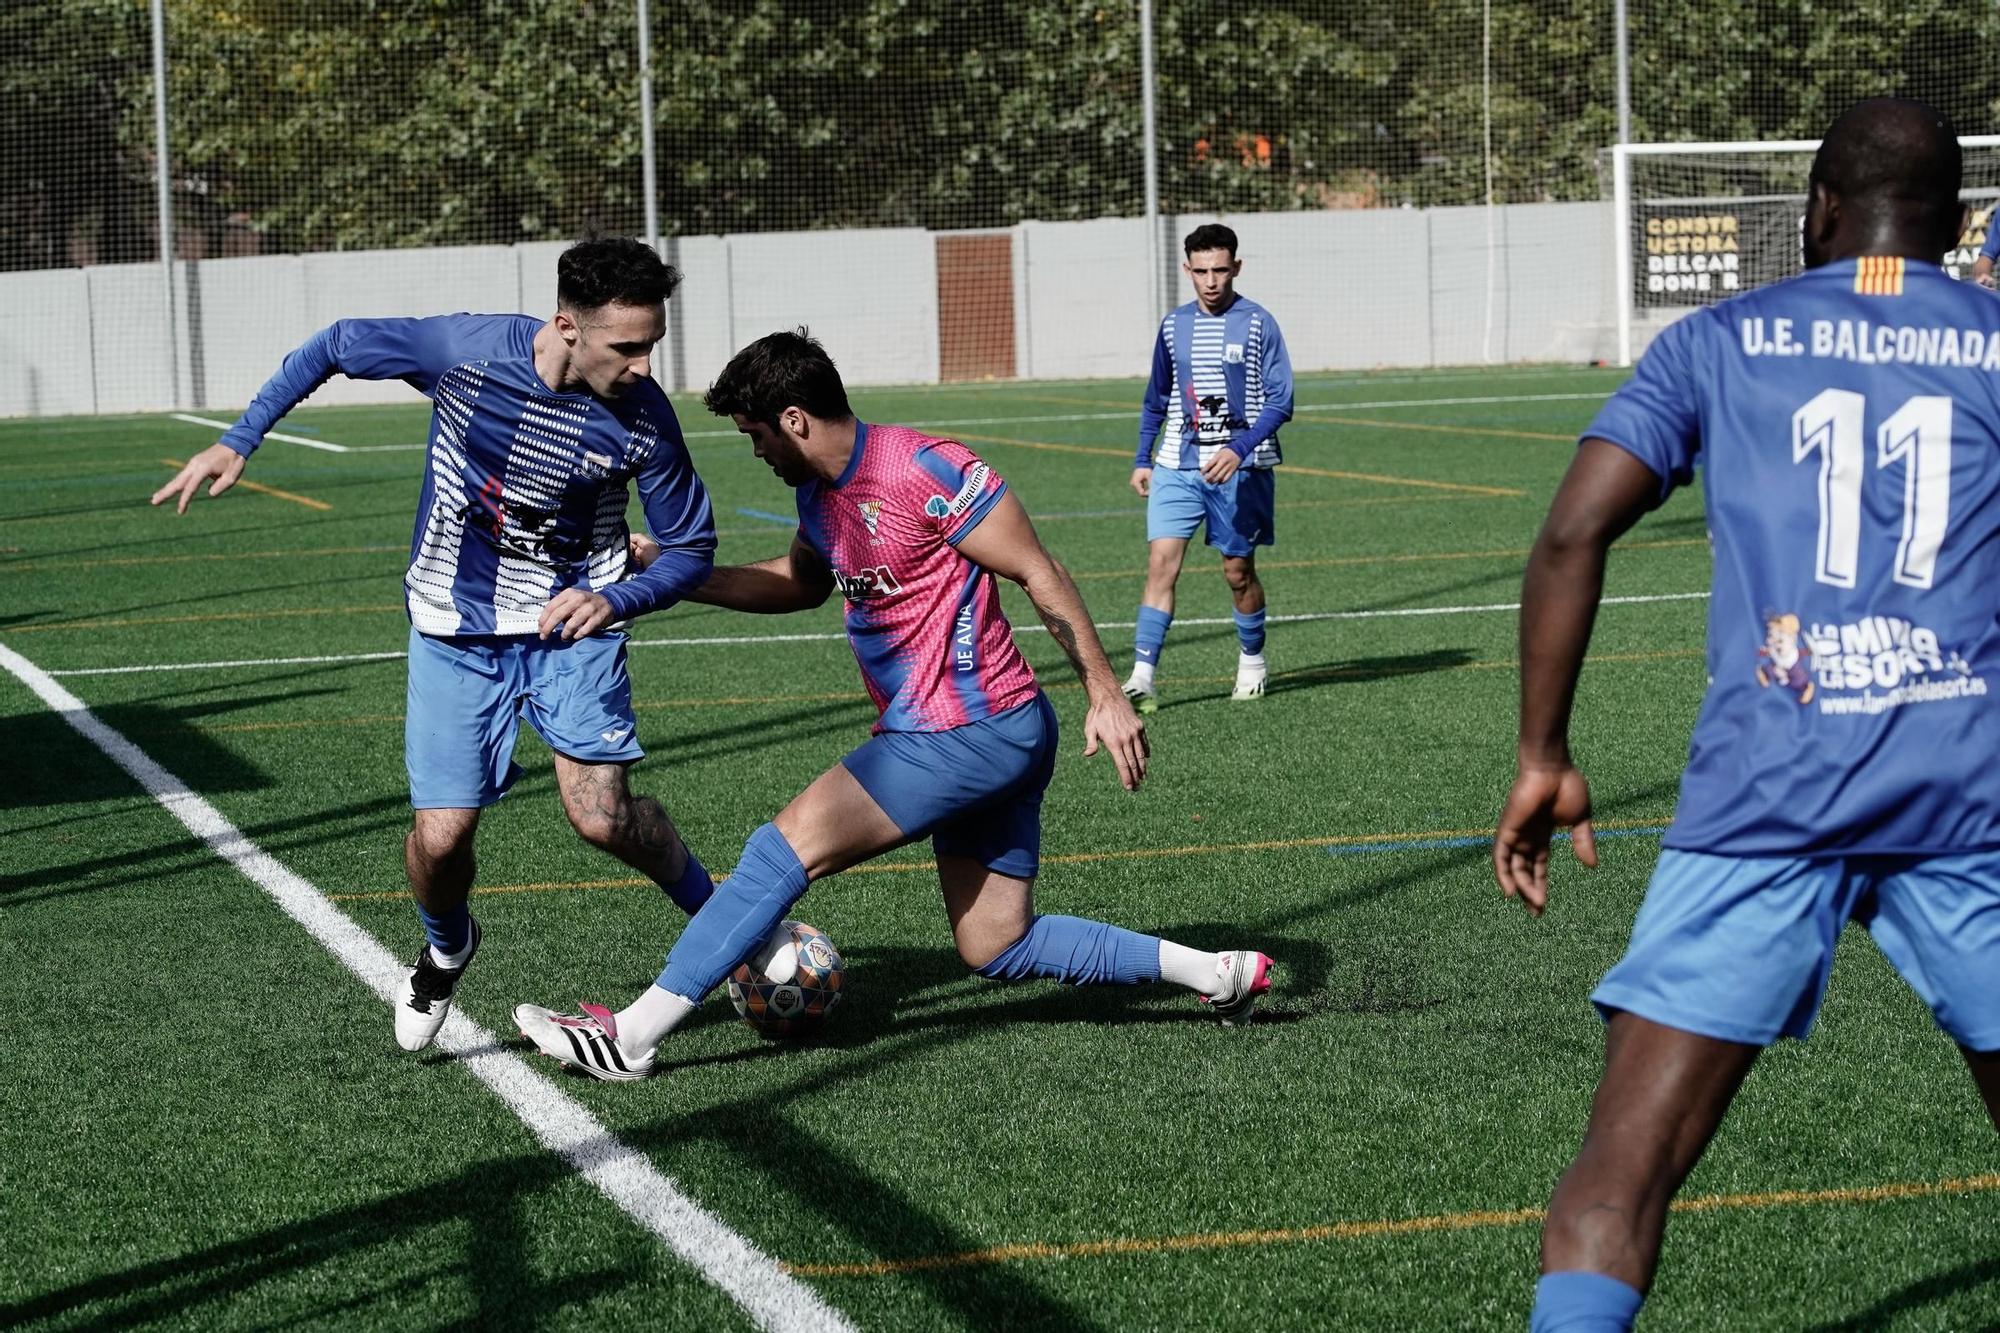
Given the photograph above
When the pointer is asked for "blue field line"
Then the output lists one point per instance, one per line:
(782, 520)
(1437, 844)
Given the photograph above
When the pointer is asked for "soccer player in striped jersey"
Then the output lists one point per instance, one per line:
(911, 530)
(1220, 388)
(1847, 422)
(520, 579)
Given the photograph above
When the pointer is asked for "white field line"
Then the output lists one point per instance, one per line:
(752, 640)
(953, 423)
(773, 1298)
(327, 445)
(1132, 414)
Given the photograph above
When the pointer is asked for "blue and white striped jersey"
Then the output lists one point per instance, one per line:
(1219, 381)
(525, 492)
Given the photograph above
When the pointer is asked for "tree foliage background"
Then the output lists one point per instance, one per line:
(342, 124)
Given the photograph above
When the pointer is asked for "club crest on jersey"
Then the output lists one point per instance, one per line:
(975, 481)
(1783, 661)
(597, 466)
(871, 513)
(1233, 354)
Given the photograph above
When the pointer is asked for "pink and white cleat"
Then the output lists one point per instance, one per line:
(588, 1040)
(1244, 975)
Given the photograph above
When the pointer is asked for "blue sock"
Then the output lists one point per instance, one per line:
(737, 918)
(1152, 634)
(1250, 632)
(1582, 1302)
(693, 888)
(450, 933)
(1082, 953)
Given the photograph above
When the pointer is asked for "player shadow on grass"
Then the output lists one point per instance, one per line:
(190, 854)
(1918, 1295)
(1348, 671)
(210, 596)
(499, 1263)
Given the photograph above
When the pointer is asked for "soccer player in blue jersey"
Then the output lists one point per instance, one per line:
(1847, 421)
(911, 530)
(1220, 388)
(520, 578)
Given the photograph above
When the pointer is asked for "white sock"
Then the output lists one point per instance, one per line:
(1249, 661)
(452, 961)
(652, 1016)
(1142, 675)
(1190, 967)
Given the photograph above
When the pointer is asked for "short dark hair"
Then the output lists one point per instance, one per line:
(779, 370)
(1210, 236)
(605, 270)
(1894, 159)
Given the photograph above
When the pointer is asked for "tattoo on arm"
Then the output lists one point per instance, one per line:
(1064, 634)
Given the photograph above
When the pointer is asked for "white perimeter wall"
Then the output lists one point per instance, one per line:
(1351, 289)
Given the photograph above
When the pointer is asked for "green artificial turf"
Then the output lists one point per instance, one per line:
(206, 1123)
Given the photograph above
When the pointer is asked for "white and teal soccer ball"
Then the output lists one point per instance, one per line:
(797, 991)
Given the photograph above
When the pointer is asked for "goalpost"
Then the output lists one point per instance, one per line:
(1696, 223)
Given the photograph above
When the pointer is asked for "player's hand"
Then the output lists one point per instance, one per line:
(1112, 725)
(644, 550)
(576, 613)
(1221, 466)
(217, 462)
(1984, 280)
(1544, 798)
(1142, 480)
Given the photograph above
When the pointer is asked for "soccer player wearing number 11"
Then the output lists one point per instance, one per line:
(1847, 421)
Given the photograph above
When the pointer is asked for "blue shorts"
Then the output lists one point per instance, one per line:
(1739, 948)
(1240, 513)
(976, 789)
(467, 697)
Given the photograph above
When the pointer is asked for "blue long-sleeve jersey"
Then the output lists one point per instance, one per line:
(1219, 382)
(525, 492)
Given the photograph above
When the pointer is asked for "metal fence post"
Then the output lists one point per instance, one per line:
(165, 186)
(1155, 267)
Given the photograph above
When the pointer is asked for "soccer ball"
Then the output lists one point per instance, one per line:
(799, 989)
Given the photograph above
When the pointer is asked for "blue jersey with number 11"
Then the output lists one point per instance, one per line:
(1847, 423)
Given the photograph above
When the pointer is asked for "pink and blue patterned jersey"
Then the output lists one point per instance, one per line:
(934, 648)
(1847, 423)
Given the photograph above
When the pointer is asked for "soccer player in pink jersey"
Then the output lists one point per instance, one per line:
(912, 531)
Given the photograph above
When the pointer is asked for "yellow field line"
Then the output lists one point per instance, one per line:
(272, 491)
(210, 618)
(1496, 491)
(1432, 430)
(291, 553)
(857, 696)
(1467, 1221)
(1067, 858)
(1330, 562)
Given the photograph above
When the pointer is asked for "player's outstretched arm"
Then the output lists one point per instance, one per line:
(218, 464)
(1603, 494)
(798, 581)
(1006, 543)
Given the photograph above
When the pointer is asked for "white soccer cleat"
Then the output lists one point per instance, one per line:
(588, 1040)
(423, 998)
(1242, 976)
(1144, 698)
(1249, 681)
